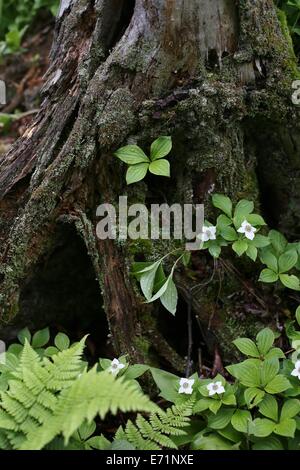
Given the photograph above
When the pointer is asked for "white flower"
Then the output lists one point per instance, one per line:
(208, 233)
(215, 387)
(115, 366)
(186, 386)
(296, 371)
(248, 230)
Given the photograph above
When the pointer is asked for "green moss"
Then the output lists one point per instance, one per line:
(292, 59)
(142, 345)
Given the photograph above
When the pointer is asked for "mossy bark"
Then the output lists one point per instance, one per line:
(215, 75)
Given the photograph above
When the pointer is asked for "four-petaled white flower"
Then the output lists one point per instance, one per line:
(186, 386)
(215, 387)
(115, 366)
(208, 233)
(296, 371)
(248, 230)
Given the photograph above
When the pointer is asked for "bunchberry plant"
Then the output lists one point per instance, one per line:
(50, 401)
(238, 228)
(139, 163)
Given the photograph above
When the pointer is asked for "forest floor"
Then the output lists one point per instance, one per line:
(23, 74)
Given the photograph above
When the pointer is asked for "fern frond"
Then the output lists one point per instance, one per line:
(31, 397)
(65, 366)
(92, 394)
(4, 441)
(155, 433)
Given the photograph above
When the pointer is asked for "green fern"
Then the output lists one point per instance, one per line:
(48, 398)
(157, 431)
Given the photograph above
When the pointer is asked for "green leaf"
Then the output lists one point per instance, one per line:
(241, 421)
(167, 383)
(253, 396)
(286, 427)
(214, 249)
(243, 209)
(278, 241)
(105, 363)
(247, 372)
(269, 370)
(270, 443)
(267, 275)
(298, 315)
(229, 234)
(161, 291)
(136, 173)
(247, 347)
(230, 433)
(240, 246)
(86, 430)
(160, 147)
(275, 352)
(15, 349)
(221, 419)
(169, 298)
(186, 258)
(287, 261)
(269, 407)
(278, 384)
(270, 260)
(99, 443)
(50, 351)
(229, 399)
(261, 427)
(290, 281)
(223, 221)
(160, 168)
(265, 339)
(215, 405)
(24, 334)
(210, 442)
(143, 267)
(255, 220)
(131, 154)
(135, 371)
(61, 341)
(120, 444)
(202, 405)
(147, 280)
(40, 338)
(260, 241)
(252, 252)
(222, 202)
(290, 409)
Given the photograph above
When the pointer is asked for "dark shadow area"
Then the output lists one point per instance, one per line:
(175, 331)
(275, 149)
(64, 295)
(125, 15)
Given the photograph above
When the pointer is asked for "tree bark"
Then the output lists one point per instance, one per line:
(216, 75)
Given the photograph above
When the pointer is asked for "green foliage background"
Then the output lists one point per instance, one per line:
(16, 16)
(292, 10)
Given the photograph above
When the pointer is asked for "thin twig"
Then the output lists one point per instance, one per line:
(190, 336)
(231, 269)
(17, 116)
